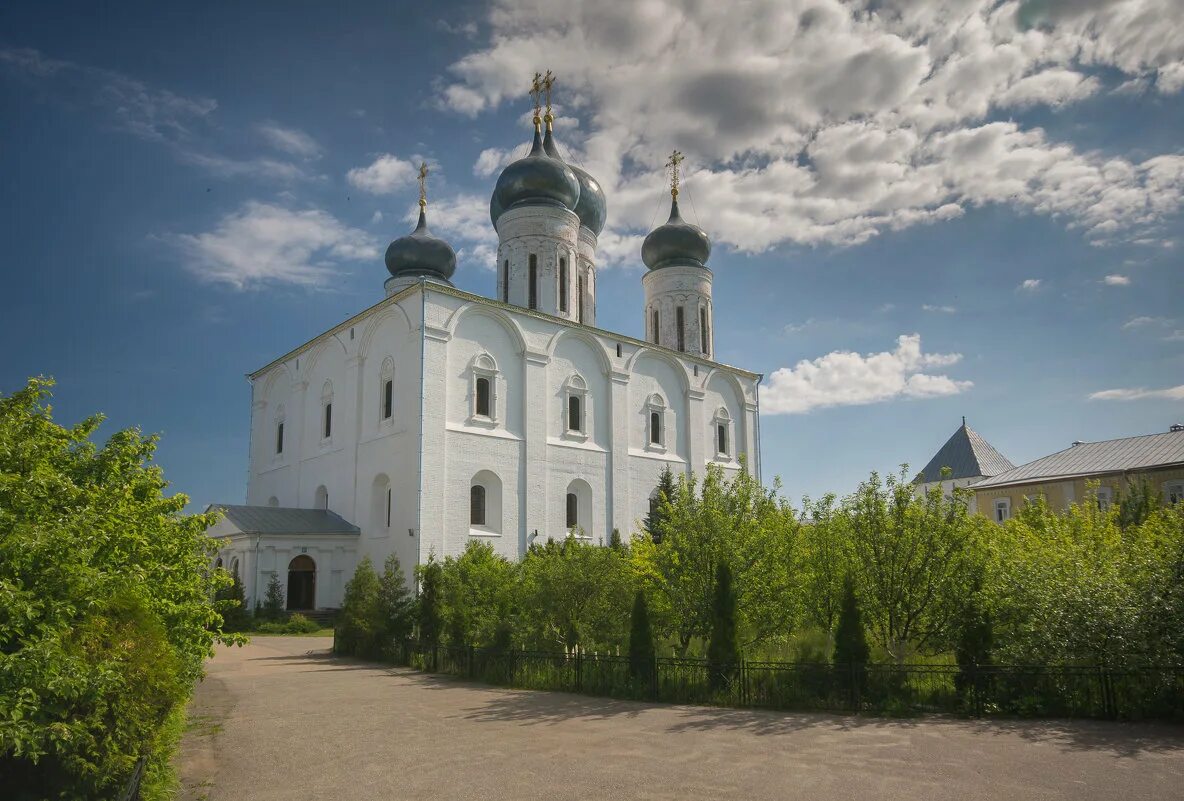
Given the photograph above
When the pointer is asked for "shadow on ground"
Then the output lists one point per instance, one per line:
(537, 707)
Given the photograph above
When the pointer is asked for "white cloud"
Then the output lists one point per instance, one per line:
(1139, 393)
(376, 218)
(939, 309)
(1030, 285)
(464, 219)
(845, 378)
(263, 243)
(829, 121)
(491, 160)
(1144, 321)
(225, 167)
(1116, 280)
(383, 176)
(289, 140)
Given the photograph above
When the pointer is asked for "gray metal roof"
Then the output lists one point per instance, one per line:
(280, 520)
(967, 455)
(1098, 458)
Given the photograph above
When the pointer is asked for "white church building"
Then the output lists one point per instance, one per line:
(437, 417)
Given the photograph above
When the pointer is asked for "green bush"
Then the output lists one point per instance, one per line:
(106, 610)
(296, 624)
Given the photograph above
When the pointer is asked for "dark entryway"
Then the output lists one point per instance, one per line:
(302, 583)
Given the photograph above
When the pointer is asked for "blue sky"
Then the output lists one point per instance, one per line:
(921, 210)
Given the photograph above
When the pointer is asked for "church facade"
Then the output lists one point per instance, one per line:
(436, 416)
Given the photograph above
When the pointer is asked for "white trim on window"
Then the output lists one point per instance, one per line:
(1104, 497)
(721, 433)
(1173, 492)
(484, 367)
(575, 391)
(655, 423)
(386, 397)
(1002, 509)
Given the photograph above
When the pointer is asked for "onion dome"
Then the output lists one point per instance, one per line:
(677, 243)
(590, 208)
(419, 254)
(535, 180)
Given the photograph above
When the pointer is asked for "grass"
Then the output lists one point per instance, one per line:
(317, 633)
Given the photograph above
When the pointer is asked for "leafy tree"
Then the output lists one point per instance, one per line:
(641, 639)
(1138, 503)
(737, 521)
(574, 593)
(107, 608)
(476, 594)
(975, 636)
(823, 561)
(396, 607)
(272, 608)
(428, 615)
(659, 514)
(723, 649)
(615, 540)
(913, 558)
(851, 646)
(231, 603)
(359, 624)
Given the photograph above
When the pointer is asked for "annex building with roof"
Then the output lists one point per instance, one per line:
(963, 461)
(437, 417)
(1068, 476)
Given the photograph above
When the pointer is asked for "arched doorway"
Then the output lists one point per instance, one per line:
(302, 583)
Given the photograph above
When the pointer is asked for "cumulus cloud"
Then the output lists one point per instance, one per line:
(383, 176)
(491, 160)
(262, 244)
(1140, 393)
(1116, 280)
(1144, 321)
(939, 309)
(1029, 285)
(825, 121)
(289, 140)
(845, 378)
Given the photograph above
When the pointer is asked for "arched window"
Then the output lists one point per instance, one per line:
(573, 511)
(381, 504)
(575, 411)
(234, 566)
(327, 410)
(273, 502)
(722, 433)
(703, 331)
(386, 381)
(218, 563)
(655, 423)
(580, 301)
(506, 281)
(575, 416)
(485, 504)
(279, 431)
(484, 391)
(322, 498)
(562, 284)
(654, 320)
(302, 583)
(681, 323)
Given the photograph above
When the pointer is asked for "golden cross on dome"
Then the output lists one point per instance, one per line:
(536, 94)
(423, 184)
(676, 158)
(547, 83)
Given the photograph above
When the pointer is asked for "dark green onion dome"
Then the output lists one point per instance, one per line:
(421, 254)
(677, 243)
(591, 208)
(536, 180)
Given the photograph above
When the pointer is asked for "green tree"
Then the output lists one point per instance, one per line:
(851, 646)
(641, 640)
(107, 608)
(476, 594)
(396, 606)
(615, 540)
(232, 605)
(913, 558)
(737, 521)
(975, 638)
(723, 649)
(273, 608)
(824, 559)
(429, 620)
(659, 513)
(574, 593)
(359, 624)
(1138, 503)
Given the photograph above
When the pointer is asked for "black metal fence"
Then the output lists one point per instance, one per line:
(1015, 691)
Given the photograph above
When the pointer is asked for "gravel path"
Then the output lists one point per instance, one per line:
(282, 719)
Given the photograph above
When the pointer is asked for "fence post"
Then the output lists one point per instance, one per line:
(579, 670)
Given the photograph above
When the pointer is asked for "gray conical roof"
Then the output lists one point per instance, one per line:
(967, 455)
(420, 253)
(537, 179)
(675, 243)
(591, 207)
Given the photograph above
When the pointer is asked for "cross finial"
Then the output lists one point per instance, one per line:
(536, 94)
(548, 82)
(676, 158)
(423, 184)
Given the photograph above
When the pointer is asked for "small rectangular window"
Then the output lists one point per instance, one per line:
(1174, 493)
(388, 399)
(328, 429)
(563, 285)
(703, 329)
(618, 350)
(477, 505)
(681, 324)
(1002, 510)
(573, 510)
(506, 281)
(654, 327)
(580, 301)
(656, 428)
(388, 508)
(279, 438)
(533, 298)
(483, 397)
(721, 439)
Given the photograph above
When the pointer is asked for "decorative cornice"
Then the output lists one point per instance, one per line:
(437, 333)
(538, 357)
(696, 394)
(619, 377)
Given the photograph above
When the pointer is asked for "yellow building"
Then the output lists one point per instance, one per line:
(1114, 464)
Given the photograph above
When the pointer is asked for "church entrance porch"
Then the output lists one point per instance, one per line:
(302, 583)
